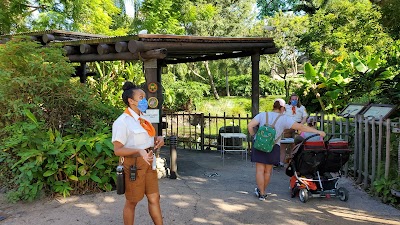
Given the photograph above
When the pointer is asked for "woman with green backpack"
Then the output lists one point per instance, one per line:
(266, 147)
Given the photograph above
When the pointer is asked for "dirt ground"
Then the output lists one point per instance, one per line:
(207, 192)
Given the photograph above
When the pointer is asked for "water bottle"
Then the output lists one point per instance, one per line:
(120, 180)
(154, 164)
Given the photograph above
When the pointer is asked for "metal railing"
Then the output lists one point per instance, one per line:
(375, 143)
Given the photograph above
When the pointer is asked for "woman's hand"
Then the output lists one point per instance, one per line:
(158, 142)
(146, 156)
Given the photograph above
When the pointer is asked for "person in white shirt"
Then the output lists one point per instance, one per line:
(134, 139)
(299, 114)
(296, 110)
(265, 161)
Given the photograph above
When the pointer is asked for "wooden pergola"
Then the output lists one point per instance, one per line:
(156, 51)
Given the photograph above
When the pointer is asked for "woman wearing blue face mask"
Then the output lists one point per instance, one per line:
(296, 110)
(298, 113)
(134, 139)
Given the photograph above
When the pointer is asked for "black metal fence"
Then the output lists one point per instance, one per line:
(374, 142)
(201, 131)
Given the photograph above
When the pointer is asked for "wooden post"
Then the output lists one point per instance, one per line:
(346, 166)
(387, 161)
(150, 72)
(333, 125)
(398, 154)
(356, 147)
(380, 134)
(202, 131)
(173, 142)
(360, 149)
(82, 72)
(160, 94)
(373, 153)
(255, 82)
(366, 153)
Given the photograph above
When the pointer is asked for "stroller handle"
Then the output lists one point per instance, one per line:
(309, 137)
(331, 135)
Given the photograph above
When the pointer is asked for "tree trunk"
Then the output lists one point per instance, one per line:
(214, 90)
(318, 96)
(227, 82)
(284, 77)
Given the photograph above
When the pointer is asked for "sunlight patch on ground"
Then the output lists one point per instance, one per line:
(202, 220)
(221, 204)
(109, 199)
(349, 215)
(180, 197)
(90, 208)
(197, 179)
(182, 204)
(67, 200)
(303, 210)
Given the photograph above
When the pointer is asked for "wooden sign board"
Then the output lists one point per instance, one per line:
(352, 109)
(378, 110)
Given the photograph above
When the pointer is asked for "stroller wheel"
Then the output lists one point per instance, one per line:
(303, 195)
(343, 194)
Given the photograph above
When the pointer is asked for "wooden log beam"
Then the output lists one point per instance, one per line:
(105, 49)
(87, 49)
(46, 38)
(121, 46)
(222, 56)
(153, 54)
(71, 50)
(140, 46)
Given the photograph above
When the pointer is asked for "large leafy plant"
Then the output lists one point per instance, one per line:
(37, 159)
(335, 84)
(64, 146)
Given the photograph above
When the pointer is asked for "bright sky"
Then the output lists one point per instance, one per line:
(130, 9)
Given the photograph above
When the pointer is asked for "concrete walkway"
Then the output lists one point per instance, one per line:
(208, 193)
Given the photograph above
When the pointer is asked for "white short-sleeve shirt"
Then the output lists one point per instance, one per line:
(300, 112)
(128, 131)
(283, 123)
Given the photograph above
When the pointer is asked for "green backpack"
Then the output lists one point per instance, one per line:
(265, 136)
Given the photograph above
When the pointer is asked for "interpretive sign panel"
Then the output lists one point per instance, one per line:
(352, 109)
(378, 110)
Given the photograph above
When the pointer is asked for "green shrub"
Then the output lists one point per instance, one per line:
(241, 86)
(182, 95)
(39, 159)
(65, 145)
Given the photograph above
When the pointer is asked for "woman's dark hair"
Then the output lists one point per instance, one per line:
(128, 89)
(277, 105)
(298, 99)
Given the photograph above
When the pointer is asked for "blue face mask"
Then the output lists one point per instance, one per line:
(142, 105)
(294, 102)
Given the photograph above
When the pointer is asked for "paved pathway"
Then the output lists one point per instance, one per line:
(225, 197)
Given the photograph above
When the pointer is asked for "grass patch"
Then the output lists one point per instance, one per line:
(233, 105)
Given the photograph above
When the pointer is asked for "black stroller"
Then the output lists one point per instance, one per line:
(315, 168)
